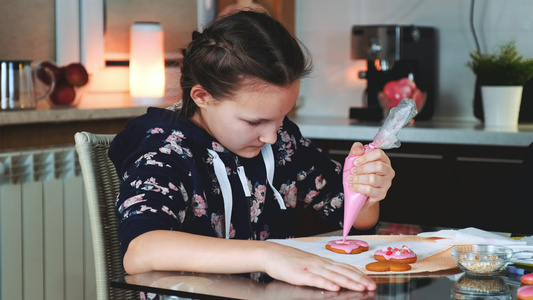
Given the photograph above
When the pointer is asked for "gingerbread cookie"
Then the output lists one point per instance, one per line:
(527, 279)
(402, 255)
(347, 247)
(386, 265)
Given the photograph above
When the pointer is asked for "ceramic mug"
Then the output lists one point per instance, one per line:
(18, 82)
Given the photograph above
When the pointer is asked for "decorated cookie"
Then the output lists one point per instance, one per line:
(527, 279)
(386, 265)
(402, 255)
(525, 292)
(347, 247)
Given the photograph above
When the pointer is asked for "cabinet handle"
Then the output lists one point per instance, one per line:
(414, 155)
(403, 155)
(338, 152)
(489, 160)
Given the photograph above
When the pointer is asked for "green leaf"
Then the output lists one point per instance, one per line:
(506, 67)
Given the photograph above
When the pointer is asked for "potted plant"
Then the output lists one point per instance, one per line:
(501, 76)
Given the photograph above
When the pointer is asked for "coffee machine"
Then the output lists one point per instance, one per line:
(393, 52)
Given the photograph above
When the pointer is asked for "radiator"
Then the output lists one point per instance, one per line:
(45, 241)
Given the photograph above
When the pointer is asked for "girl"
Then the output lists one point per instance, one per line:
(207, 185)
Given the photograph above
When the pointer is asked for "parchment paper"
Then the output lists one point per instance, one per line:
(432, 257)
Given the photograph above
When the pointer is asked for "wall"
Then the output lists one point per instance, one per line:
(27, 30)
(324, 27)
(27, 27)
(178, 19)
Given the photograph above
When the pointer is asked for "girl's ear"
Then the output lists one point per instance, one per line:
(200, 96)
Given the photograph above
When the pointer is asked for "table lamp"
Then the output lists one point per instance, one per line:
(147, 63)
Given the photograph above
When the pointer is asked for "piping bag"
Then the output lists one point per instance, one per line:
(386, 138)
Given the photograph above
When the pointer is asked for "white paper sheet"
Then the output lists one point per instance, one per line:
(523, 249)
(318, 247)
(471, 235)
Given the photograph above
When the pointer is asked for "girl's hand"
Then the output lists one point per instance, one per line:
(302, 268)
(371, 174)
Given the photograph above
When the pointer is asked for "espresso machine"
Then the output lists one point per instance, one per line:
(394, 52)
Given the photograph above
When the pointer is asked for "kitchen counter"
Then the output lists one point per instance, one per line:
(97, 107)
(329, 128)
(432, 132)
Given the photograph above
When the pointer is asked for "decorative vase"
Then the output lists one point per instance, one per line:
(501, 105)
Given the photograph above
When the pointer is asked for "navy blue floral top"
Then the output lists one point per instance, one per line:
(170, 182)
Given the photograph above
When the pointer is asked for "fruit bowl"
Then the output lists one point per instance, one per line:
(68, 82)
(479, 261)
(394, 91)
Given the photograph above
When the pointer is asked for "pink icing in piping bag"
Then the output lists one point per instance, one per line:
(353, 201)
(386, 138)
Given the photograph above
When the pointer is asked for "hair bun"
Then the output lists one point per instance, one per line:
(196, 34)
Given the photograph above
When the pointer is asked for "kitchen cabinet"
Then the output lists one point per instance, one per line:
(32, 136)
(450, 185)
(44, 127)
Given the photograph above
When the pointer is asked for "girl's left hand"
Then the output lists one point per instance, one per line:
(371, 174)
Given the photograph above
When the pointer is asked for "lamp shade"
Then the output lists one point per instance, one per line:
(147, 62)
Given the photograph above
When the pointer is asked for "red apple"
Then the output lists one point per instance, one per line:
(44, 76)
(76, 74)
(63, 95)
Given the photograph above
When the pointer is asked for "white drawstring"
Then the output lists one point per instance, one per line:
(244, 181)
(225, 187)
(268, 158)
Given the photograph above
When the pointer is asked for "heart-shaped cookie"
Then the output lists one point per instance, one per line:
(384, 266)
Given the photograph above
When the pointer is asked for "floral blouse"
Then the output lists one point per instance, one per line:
(170, 181)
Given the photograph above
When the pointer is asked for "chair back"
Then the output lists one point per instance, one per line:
(101, 188)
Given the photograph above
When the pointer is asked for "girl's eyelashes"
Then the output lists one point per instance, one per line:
(254, 123)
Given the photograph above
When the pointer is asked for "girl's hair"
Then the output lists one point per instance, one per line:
(245, 44)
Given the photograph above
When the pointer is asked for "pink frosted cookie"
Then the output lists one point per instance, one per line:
(527, 279)
(403, 255)
(525, 292)
(347, 247)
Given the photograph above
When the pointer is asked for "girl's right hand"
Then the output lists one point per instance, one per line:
(302, 268)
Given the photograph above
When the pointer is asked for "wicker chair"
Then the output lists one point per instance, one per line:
(101, 188)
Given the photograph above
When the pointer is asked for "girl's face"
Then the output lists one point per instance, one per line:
(248, 120)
